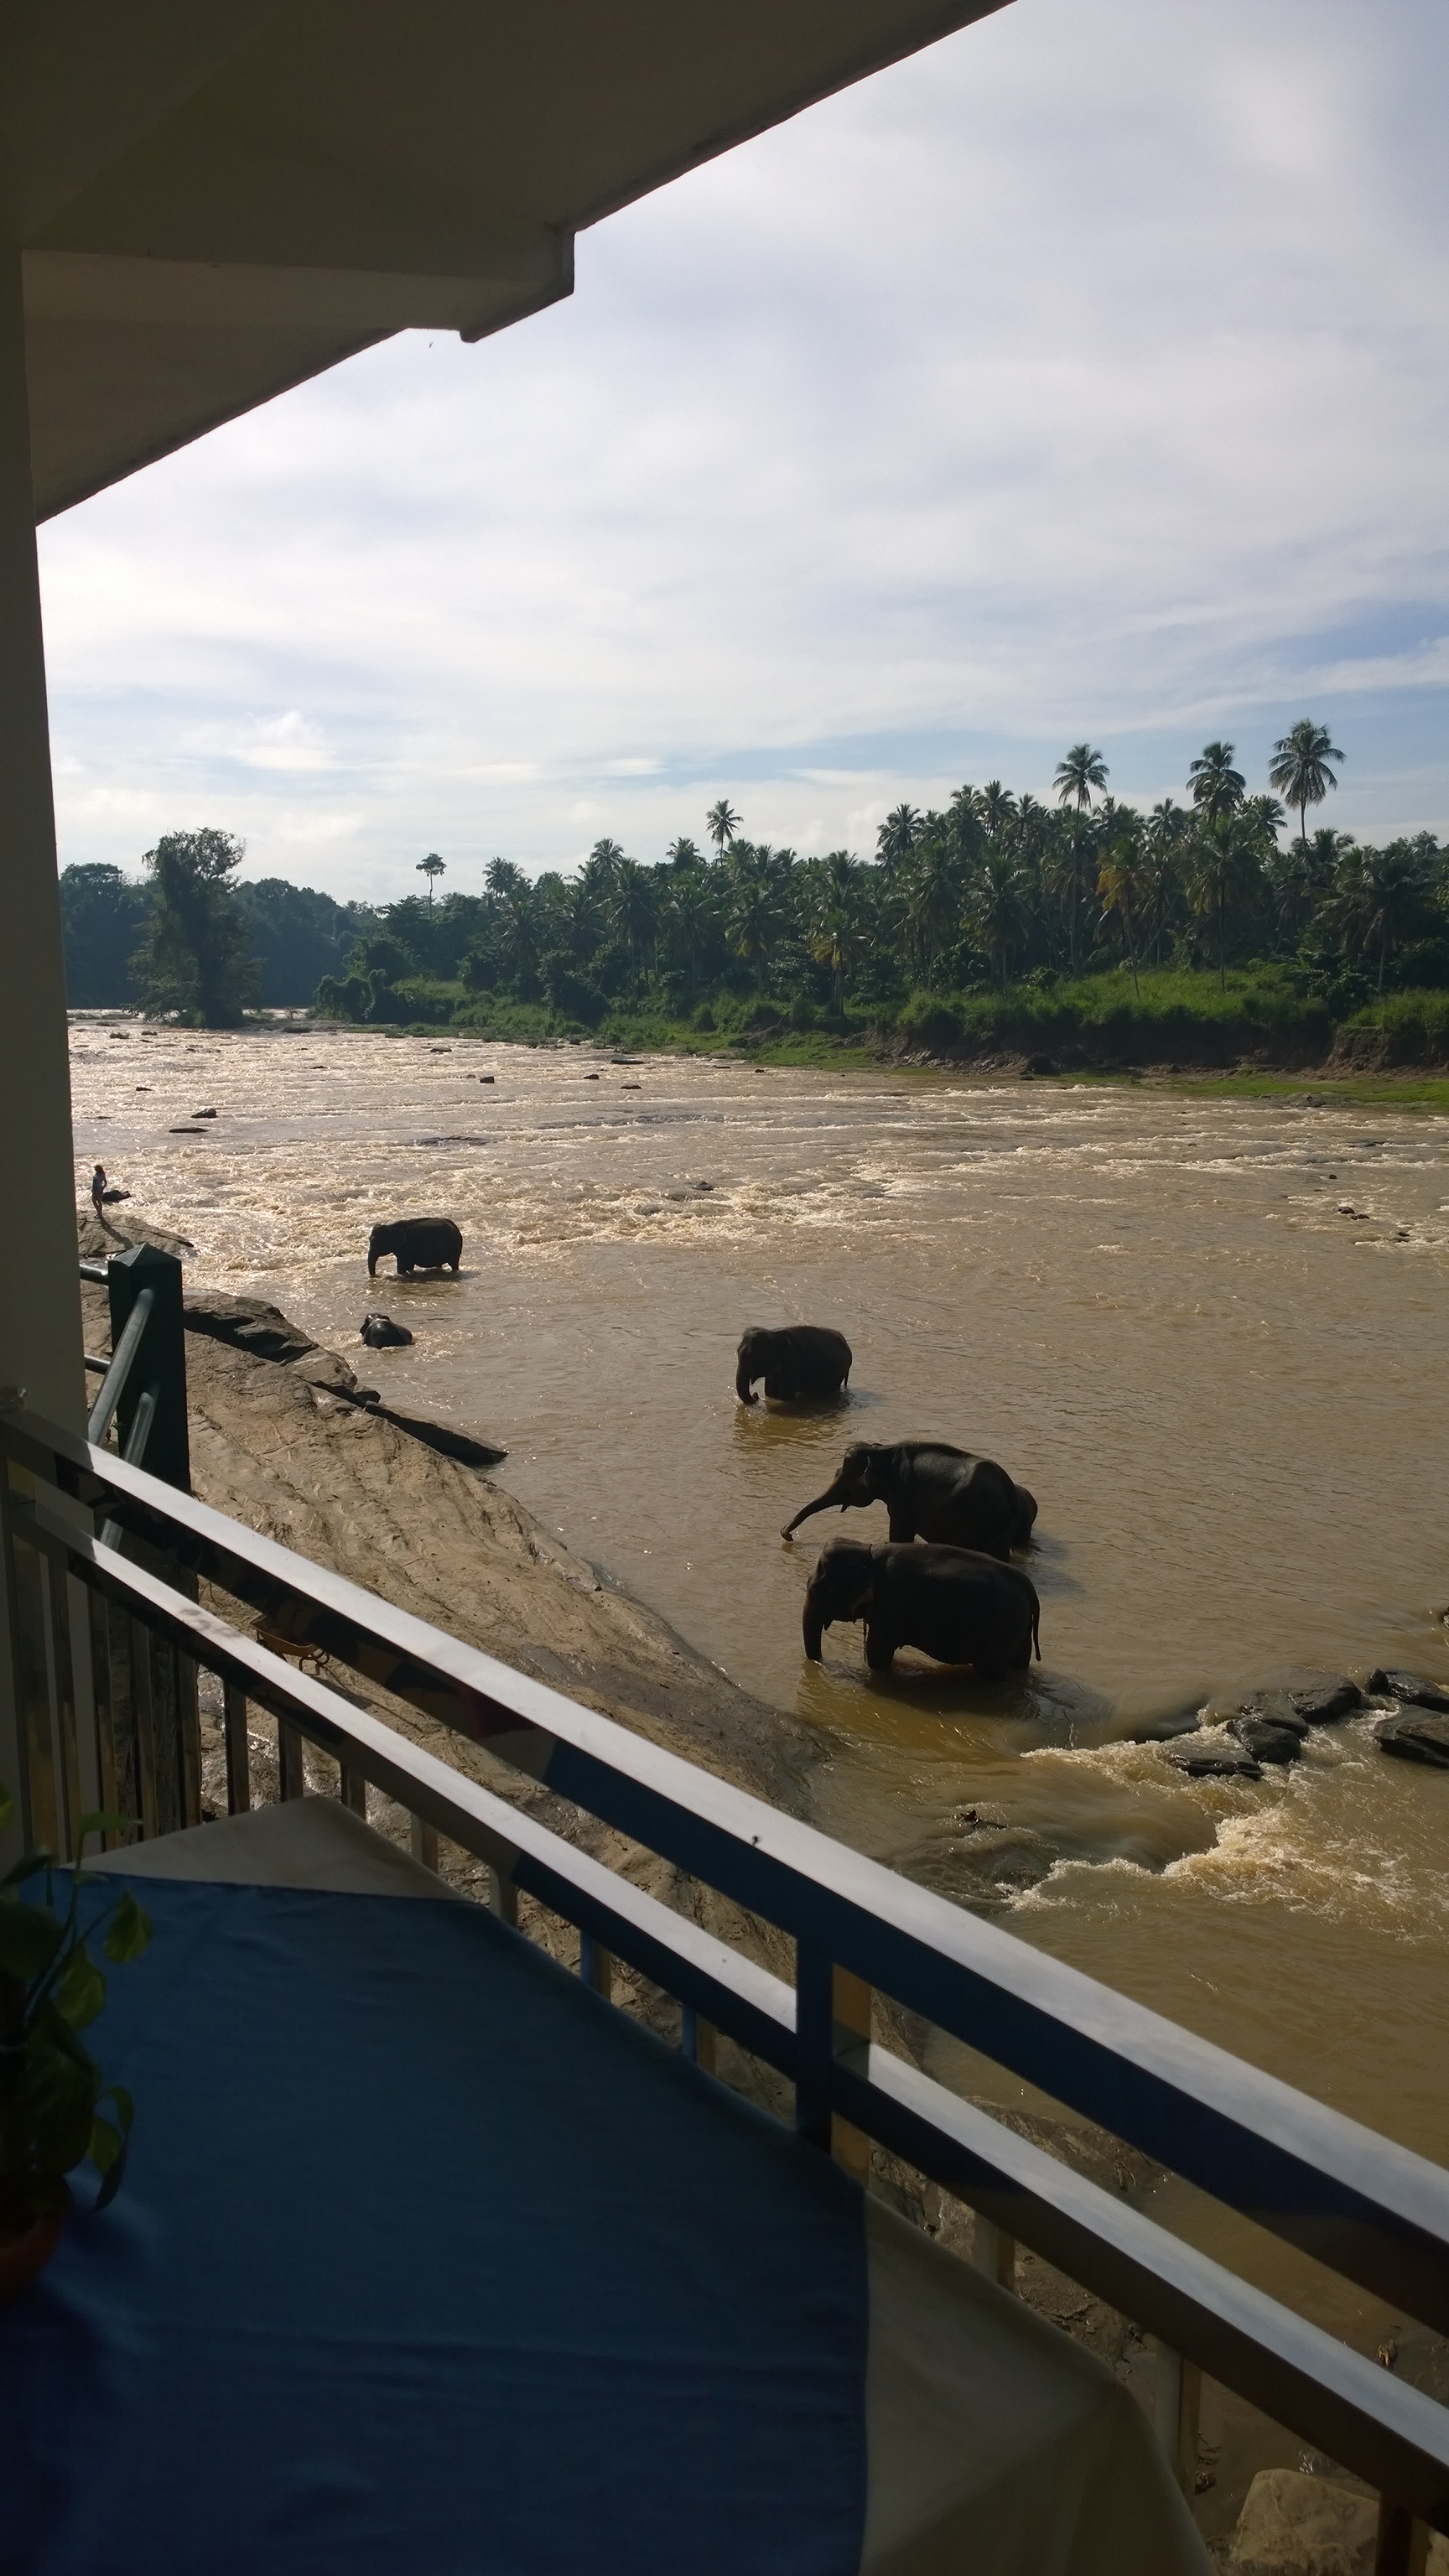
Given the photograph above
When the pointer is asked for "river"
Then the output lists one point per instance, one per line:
(1228, 1395)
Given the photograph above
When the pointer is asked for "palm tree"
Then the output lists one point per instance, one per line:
(831, 916)
(1216, 788)
(897, 837)
(721, 823)
(1226, 866)
(997, 808)
(1164, 841)
(689, 911)
(1077, 775)
(632, 906)
(1299, 767)
(1380, 899)
(684, 853)
(996, 909)
(754, 920)
(430, 867)
(1126, 885)
(933, 902)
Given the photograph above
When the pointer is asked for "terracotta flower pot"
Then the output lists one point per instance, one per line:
(22, 2256)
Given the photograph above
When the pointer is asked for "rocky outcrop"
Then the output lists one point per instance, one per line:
(1411, 1690)
(250, 1324)
(1414, 1737)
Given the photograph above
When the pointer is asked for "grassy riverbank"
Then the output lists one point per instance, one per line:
(1259, 1023)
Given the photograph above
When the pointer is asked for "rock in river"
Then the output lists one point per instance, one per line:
(1327, 1700)
(1265, 1741)
(1412, 1689)
(1413, 1738)
(1215, 1757)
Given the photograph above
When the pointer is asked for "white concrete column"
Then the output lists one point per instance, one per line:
(40, 1321)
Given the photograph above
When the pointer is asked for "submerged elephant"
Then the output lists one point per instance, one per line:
(420, 1243)
(381, 1334)
(931, 1491)
(951, 1602)
(794, 1359)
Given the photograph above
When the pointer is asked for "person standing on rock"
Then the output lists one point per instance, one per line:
(98, 1188)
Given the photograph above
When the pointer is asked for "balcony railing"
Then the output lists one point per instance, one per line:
(106, 1634)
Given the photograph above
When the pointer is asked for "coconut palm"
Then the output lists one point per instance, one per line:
(721, 823)
(1379, 900)
(831, 916)
(1164, 840)
(632, 907)
(1225, 868)
(684, 853)
(1216, 788)
(897, 837)
(1299, 767)
(430, 867)
(932, 902)
(753, 923)
(998, 808)
(1077, 775)
(996, 908)
(689, 914)
(1126, 884)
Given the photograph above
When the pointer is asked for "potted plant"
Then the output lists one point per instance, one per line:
(51, 2088)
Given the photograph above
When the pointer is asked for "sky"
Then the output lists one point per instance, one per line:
(1085, 377)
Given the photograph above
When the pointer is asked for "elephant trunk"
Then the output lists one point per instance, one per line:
(372, 1265)
(813, 1629)
(839, 1493)
(742, 1383)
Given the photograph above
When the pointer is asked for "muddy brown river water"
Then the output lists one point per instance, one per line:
(1228, 1396)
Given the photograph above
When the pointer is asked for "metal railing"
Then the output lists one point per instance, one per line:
(92, 1705)
(143, 1383)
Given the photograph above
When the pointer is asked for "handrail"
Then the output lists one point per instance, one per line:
(1382, 2430)
(1353, 2199)
(114, 1383)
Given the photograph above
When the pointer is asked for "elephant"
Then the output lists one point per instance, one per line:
(795, 1359)
(420, 1243)
(381, 1334)
(931, 1491)
(951, 1602)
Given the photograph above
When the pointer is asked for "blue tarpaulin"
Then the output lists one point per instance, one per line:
(428, 2262)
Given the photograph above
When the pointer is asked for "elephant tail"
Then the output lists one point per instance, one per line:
(1036, 1625)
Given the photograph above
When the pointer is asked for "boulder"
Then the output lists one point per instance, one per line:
(1265, 1741)
(1215, 1757)
(1412, 1738)
(1039, 1064)
(1412, 1689)
(1327, 1700)
(1275, 1708)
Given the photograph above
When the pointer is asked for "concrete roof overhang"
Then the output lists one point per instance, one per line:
(217, 199)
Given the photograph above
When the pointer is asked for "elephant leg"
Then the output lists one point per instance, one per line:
(880, 1648)
(903, 1528)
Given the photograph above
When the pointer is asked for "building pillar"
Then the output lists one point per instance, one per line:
(40, 1320)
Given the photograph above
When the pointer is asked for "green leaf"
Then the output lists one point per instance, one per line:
(29, 1938)
(127, 1933)
(80, 1989)
(106, 2144)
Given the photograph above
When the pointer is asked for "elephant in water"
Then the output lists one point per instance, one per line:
(381, 1334)
(420, 1243)
(951, 1602)
(793, 1360)
(931, 1491)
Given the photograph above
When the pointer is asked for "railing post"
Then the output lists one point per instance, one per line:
(353, 1790)
(291, 1777)
(832, 2020)
(1402, 2547)
(595, 1966)
(1176, 2411)
(696, 2038)
(159, 1367)
(502, 1897)
(423, 1842)
(238, 1751)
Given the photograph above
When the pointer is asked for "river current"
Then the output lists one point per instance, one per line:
(1227, 1392)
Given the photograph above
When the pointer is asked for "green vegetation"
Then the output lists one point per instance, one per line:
(295, 934)
(1198, 933)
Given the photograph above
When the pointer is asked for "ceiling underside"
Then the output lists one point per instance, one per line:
(217, 199)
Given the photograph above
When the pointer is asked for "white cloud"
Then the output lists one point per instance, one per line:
(1087, 374)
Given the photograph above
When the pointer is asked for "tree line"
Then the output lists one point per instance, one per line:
(994, 890)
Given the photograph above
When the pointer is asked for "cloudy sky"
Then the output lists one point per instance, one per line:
(1088, 375)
